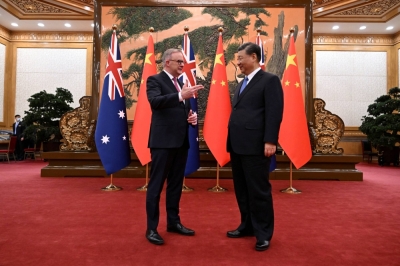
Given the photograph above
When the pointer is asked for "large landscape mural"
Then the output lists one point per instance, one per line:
(239, 25)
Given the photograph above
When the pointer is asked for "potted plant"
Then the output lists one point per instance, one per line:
(382, 126)
(42, 119)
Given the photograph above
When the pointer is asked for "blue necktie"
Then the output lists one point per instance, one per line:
(244, 84)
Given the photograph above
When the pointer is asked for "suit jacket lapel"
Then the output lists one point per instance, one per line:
(168, 81)
(237, 97)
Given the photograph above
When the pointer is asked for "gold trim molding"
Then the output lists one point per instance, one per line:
(373, 9)
(52, 37)
(397, 38)
(4, 33)
(354, 39)
(32, 6)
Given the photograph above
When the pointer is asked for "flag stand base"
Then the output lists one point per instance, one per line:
(111, 187)
(217, 188)
(142, 188)
(186, 188)
(290, 190)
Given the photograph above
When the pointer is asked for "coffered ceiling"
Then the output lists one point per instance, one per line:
(349, 15)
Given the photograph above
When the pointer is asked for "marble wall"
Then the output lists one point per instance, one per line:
(2, 71)
(39, 69)
(349, 81)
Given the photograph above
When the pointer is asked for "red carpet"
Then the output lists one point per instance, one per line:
(70, 221)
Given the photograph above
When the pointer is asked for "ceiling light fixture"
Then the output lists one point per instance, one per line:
(14, 24)
(363, 27)
(335, 27)
(67, 25)
(389, 28)
(92, 24)
(87, 8)
(40, 24)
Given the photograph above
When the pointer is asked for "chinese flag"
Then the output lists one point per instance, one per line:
(141, 122)
(215, 129)
(293, 134)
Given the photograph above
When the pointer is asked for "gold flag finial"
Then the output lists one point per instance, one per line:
(151, 29)
(258, 30)
(220, 29)
(186, 29)
(114, 27)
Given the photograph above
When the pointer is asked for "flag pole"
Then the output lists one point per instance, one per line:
(111, 186)
(186, 51)
(217, 188)
(291, 189)
(186, 188)
(144, 188)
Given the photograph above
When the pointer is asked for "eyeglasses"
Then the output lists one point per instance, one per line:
(240, 59)
(180, 62)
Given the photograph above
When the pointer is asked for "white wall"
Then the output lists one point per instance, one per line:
(2, 73)
(46, 69)
(349, 81)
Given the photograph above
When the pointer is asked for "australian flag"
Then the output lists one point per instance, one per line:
(259, 43)
(111, 137)
(272, 165)
(189, 75)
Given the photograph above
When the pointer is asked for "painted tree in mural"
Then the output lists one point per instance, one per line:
(134, 21)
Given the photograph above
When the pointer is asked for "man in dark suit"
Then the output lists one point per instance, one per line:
(168, 143)
(257, 108)
(18, 130)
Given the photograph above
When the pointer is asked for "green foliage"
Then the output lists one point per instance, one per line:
(134, 21)
(45, 111)
(382, 124)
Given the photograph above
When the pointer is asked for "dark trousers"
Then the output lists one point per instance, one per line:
(253, 194)
(19, 149)
(166, 164)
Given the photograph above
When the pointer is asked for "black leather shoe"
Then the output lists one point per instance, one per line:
(237, 234)
(262, 245)
(154, 237)
(180, 229)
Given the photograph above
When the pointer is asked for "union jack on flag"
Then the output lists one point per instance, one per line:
(189, 75)
(114, 69)
(189, 69)
(111, 136)
(259, 43)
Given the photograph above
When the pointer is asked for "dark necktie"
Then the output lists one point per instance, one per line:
(244, 84)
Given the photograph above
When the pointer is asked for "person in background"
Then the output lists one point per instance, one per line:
(253, 128)
(18, 130)
(168, 143)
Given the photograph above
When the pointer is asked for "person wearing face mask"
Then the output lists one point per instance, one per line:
(18, 130)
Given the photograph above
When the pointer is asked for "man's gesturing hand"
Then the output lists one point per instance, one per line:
(188, 92)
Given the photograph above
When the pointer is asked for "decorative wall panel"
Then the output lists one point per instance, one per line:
(349, 81)
(47, 69)
(2, 73)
